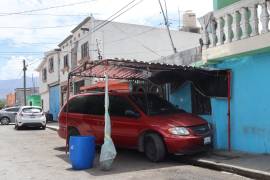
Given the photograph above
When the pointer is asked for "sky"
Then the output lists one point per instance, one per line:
(27, 34)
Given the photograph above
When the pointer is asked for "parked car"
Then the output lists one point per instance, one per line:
(7, 115)
(49, 116)
(31, 116)
(144, 122)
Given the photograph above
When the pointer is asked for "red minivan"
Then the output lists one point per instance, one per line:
(141, 121)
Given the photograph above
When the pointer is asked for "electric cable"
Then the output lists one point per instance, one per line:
(43, 9)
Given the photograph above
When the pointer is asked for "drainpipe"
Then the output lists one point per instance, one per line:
(229, 109)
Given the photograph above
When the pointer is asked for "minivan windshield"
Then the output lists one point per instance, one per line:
(152, 104)
(32, 110)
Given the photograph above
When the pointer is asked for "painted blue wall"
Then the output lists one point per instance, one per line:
(250, 105)
(182, 97)
(54, 99)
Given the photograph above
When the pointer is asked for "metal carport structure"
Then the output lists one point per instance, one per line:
(210, 82)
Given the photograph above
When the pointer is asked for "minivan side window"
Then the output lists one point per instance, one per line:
(76, 105)
(94, 105)
(119, 105)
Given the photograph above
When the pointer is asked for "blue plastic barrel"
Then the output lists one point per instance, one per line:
(82, 152)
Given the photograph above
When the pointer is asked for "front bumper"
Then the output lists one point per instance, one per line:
(187, 144)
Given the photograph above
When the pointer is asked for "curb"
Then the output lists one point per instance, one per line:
(250, 173)
(52, 128)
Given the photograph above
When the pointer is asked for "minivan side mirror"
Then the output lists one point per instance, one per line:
(131, 113)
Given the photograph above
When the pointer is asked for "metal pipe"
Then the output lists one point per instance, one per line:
(229, 109)
(67, 109)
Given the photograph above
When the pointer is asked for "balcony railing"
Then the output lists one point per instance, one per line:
(241, 20)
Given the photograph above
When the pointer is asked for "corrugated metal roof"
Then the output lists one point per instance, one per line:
(124, 69)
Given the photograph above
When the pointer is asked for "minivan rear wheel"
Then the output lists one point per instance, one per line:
(154, 147)
(72, 132)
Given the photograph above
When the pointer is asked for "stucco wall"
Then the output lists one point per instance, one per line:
(131, 41)
(182, 97)
(218, 4)
(45, 98)
(250, 110)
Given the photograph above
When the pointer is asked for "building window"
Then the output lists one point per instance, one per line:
(66, 61)
(84, 50)
(201, 104)
(44, 74)
(51, 68)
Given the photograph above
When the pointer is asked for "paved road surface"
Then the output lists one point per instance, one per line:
(39, 154)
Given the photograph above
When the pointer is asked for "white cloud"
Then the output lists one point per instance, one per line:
(12, 68)
(147, 13)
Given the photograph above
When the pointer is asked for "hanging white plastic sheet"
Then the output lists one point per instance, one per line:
(108, 151)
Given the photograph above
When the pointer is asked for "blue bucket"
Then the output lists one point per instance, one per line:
(82, 152)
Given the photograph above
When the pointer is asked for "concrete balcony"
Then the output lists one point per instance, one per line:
(236, 29)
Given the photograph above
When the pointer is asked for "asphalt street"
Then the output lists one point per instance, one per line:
(39, 154)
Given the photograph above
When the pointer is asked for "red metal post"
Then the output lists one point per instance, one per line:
(229, 109)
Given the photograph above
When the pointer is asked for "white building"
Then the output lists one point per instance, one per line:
(90, 40)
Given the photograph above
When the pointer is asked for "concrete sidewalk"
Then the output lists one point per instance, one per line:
(53, 125)
(249, 165)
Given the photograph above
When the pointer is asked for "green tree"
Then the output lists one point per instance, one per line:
(2, 103)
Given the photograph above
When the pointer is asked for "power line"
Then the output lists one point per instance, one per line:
(41, 27)
(48, 14)
(147, 48)
(131, 36)
(125, 6)
(114, 17)
(43, 9)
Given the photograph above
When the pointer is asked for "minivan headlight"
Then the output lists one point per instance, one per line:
(181, 131)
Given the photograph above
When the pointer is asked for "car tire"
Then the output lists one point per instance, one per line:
(154, 147)
(17, 127)
(5, 121)
(43, 127)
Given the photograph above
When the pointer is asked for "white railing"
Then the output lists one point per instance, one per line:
(235, 22)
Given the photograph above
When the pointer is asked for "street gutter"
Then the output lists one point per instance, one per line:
(250, 173)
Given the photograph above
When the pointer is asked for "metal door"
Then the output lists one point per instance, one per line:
(54, 101)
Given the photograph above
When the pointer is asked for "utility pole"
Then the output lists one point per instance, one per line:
(24, 82)
(167, 25)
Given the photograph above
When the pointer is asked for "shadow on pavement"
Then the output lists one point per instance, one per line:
(126, 161)
(24, 128)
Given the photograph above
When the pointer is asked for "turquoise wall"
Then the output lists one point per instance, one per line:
(218, 4)
(182, 97)
(250, 105)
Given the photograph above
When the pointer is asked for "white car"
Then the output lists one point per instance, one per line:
(31, 116)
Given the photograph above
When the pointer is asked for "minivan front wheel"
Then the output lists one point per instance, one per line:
(154, 147)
